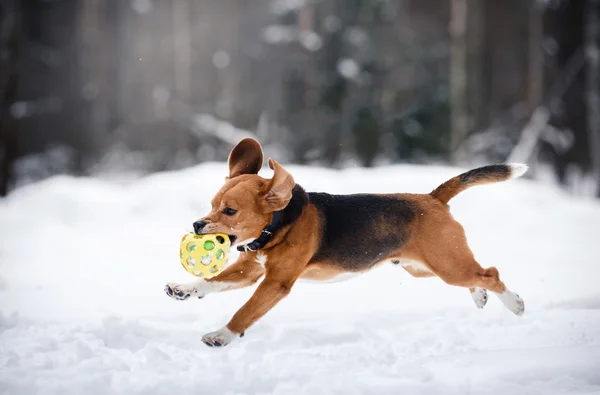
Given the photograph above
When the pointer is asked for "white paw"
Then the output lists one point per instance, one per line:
(220, 338)
(512, 301)
(480, 297)
(181, 291)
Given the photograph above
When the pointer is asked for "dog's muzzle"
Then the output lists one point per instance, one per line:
(198, 226)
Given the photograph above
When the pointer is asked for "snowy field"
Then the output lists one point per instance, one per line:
(83, 263)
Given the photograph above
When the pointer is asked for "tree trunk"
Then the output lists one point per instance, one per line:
(182, 48)
(592, 38)
(536, 58)
(334, 91)
(474, 72)
(95, 64)
(10, 40)
(458, 76)
(565, 69)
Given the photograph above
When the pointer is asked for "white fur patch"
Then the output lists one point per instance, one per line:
(206, 287)
(341, 277)
(261, 258)
(222, 337)
(517, 169)
(199, 287)
(336, 279)
(512, 301)
(415, 265)
(479, 297)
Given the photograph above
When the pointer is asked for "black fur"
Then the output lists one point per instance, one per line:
(293, 210)
(360, 230)
(486, 172)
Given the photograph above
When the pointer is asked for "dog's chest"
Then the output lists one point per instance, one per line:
(261, 258)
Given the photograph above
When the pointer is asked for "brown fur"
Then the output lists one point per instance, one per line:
(431, 236)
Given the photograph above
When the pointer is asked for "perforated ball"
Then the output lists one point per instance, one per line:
(204, 255)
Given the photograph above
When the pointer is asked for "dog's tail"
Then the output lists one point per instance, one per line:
(479, 176)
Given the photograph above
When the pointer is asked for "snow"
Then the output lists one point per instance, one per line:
(310, 40)
(220, 59)
(348, 68)
(82, 309)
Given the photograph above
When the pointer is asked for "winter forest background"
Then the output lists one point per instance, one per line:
(121, 87)
(99, 98)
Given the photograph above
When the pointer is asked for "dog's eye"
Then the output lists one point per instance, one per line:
(229, 211)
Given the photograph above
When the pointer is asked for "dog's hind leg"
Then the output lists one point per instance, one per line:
(511, 300)
(452, 260)
(478, 280)
(479, 296)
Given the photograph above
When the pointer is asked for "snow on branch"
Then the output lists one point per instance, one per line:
(203, 124)
(530, 136)
(541, 116)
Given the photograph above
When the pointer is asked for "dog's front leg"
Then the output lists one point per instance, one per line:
(268, 293)
(242, 273)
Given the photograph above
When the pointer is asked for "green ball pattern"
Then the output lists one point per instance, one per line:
(209, 245)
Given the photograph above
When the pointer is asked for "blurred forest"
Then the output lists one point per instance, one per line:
(136, 86)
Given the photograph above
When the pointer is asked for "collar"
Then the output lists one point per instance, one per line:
(265, 236)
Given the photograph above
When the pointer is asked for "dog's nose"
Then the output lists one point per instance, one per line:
(198, 226)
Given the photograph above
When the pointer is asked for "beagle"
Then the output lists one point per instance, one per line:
(285, 233)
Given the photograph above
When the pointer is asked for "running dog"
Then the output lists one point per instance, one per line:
(285, 233)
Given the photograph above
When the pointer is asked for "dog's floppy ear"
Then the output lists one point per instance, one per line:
(245, 158)
(276, 193)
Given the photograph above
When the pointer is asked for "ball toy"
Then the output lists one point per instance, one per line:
(204, 255)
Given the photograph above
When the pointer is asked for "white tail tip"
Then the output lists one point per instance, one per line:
(517, 169)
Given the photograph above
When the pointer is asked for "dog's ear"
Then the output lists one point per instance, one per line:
(276, 193)
(245, 158)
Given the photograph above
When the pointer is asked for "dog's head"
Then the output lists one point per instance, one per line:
(246, 203)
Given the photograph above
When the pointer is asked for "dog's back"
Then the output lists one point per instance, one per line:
(357, 231)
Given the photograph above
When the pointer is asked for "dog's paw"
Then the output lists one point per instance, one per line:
(513, 302)
(220, 338)
(480, 297)
(181, 291)
(518, 305)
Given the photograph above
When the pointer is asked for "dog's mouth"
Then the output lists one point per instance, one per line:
(205, 231)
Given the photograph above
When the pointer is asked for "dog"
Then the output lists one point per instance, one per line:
(285, 233)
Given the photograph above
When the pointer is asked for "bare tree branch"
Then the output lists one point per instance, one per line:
(530, 135)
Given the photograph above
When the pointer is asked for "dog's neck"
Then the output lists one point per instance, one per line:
(280, 220)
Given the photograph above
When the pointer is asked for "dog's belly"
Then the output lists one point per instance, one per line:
(326, 274)
(415, 268)
(332, 273)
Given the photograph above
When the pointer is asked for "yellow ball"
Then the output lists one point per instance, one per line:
(204, 255)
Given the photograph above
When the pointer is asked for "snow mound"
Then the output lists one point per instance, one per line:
(82, 309)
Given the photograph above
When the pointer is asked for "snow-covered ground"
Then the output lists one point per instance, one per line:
(83, 263)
